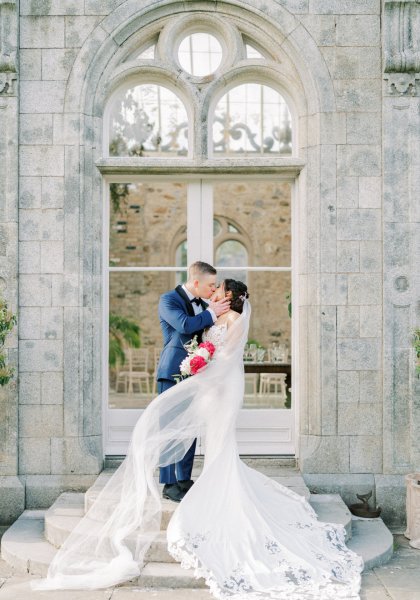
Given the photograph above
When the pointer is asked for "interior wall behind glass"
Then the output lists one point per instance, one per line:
(146, 219)
(261, 212)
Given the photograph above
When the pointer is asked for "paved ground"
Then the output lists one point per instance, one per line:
(398, 580)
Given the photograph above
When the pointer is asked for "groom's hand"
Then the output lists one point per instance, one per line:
(220, 306)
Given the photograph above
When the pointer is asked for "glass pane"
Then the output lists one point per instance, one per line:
(217, 228)
(145, 223)
(200, 54)
(261, 212)
(232, 253)
(133, 300)
(267, 357)
(252, 119)
(148, 120)
(181, 261)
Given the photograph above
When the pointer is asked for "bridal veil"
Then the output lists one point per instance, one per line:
(248, 536)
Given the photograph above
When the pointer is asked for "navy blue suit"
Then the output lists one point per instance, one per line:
(179, 325)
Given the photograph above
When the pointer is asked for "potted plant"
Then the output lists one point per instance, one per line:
(7, 322)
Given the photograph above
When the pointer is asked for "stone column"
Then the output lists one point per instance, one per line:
(11, 489)
(401, 192)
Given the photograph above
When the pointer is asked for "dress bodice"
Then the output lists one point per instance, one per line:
(215, 334)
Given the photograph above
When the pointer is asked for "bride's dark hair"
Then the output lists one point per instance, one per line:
(239, 294)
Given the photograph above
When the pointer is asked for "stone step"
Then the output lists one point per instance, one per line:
(286, 475)
(24, 546)
(371, 539)
(165, 575)
(68, 509)
(256, 462)
(330, 508)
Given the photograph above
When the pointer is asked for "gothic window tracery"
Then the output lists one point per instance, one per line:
(199, 79)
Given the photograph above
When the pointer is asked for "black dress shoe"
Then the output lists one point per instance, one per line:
(172, 491)
(185, 484)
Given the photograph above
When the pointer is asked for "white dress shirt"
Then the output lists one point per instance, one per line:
(196, 307)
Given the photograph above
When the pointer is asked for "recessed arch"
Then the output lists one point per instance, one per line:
(90, 84)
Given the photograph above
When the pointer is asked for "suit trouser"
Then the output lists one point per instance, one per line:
(180, 471)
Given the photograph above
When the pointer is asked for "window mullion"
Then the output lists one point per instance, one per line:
(207, 222)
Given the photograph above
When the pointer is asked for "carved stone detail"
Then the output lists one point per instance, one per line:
(402, 47)
(7, 84)
(403, 84)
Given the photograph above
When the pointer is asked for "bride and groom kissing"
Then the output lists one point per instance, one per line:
(186, 312)
(250, 537)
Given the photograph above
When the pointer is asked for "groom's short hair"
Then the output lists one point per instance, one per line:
(200, 268)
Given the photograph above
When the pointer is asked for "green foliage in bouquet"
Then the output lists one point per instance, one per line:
(122, 332)
(7, 322)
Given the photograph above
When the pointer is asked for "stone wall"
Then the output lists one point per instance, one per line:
(356, 201)
(12, 494)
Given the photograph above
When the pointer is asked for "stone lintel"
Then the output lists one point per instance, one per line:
(285, 168)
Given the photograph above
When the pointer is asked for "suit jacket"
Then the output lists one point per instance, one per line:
(179, 325)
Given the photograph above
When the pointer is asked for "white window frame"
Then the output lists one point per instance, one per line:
(202, 248)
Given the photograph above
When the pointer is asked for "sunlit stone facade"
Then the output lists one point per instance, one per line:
(349, 181)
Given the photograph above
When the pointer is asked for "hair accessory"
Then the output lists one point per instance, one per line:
(243, 297)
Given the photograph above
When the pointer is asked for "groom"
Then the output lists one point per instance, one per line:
(183, 313)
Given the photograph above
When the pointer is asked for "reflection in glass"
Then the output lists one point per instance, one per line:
(217, 227)
(200, 54)
(232, 253)
(181, 261)
(144, 218)
(267, 357)
(148, 120)
(252, 119)
(261, 211)
(133, 299)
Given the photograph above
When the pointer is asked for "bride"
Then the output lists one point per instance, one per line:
(247, 535)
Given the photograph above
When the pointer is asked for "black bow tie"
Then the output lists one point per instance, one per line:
(196, 300)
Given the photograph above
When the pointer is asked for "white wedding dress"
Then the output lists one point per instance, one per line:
(248, 536)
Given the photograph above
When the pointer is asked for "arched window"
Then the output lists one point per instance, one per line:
(148, 120)
(232, 253)
(213, 94)
(252, 119)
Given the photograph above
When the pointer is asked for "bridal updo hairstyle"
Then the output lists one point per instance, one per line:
(239, 294)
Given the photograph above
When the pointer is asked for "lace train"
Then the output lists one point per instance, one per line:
(274, 565)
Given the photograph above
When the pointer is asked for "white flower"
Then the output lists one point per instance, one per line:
(185, 366)
(204, 353)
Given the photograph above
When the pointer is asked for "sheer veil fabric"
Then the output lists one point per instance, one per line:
(250, 537)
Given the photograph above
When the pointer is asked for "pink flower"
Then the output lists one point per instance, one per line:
(209, 347)
(197, 363)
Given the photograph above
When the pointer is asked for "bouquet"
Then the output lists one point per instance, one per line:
(199, 356)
